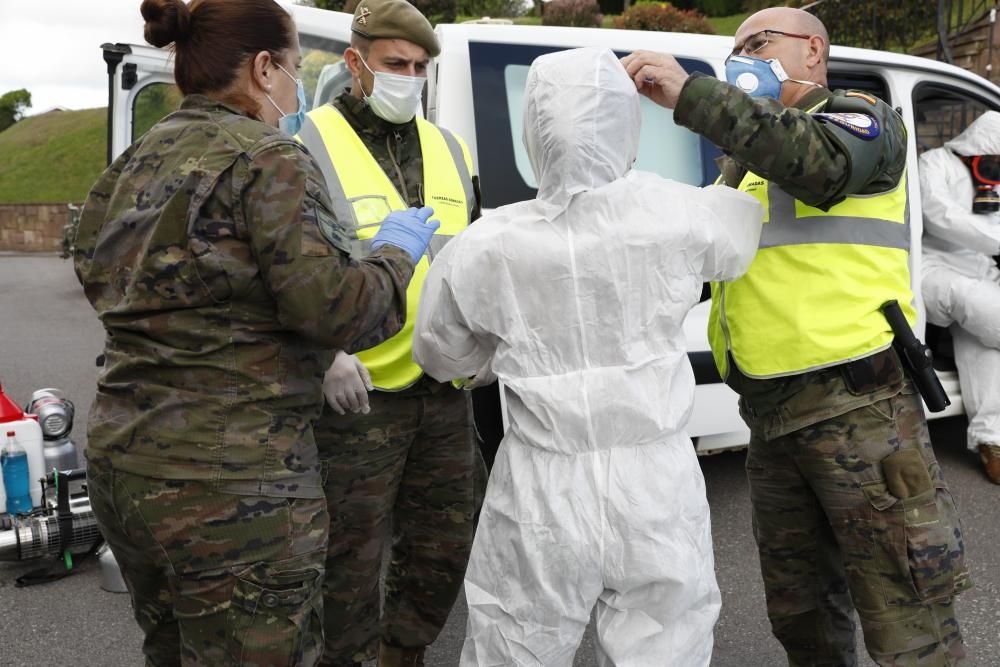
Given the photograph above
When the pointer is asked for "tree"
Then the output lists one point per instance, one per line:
(874, 24)
(882, 24)
(332, 5)
(436, 11)
(492, 8)
(12, 106)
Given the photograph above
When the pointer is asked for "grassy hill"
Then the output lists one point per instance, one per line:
(52, 157)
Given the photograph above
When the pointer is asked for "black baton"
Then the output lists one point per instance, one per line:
(916, 358)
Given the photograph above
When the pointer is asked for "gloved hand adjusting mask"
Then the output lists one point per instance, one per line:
(759, 78)
(395, 98)
(985, 170)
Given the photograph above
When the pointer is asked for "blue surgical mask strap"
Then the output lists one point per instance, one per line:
(291, 122)
(268, 95)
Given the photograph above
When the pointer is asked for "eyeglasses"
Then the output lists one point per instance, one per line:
(759, 40)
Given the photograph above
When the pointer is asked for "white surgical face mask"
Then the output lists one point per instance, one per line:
(395, 98)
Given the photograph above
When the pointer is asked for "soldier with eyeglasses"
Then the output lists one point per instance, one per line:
(850, 510)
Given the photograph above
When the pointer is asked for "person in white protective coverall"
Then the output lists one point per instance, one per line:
(575, 301)
(960, 280)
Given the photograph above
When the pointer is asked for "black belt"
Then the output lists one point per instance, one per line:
(861, 376)
(865, 375)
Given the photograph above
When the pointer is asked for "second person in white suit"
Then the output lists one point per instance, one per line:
(960, 278)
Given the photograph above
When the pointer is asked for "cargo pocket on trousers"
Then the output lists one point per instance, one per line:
(935, 546)
(918, 546)
(276, 613)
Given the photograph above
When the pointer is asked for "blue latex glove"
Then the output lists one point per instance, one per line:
(409, 230)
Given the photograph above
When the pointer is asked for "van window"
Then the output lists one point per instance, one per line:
(499, 74)
(681, 163)
(323, 73)
(942, 112)
(151, 104)
(323, 77)
(866, 83)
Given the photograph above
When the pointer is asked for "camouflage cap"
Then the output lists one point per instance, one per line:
(394, 19)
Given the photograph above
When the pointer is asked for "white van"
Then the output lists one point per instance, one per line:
(475, 88)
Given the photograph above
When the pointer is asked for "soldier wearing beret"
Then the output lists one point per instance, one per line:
(400, 461)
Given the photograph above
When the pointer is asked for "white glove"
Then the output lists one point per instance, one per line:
(346, 384)
(484, 377)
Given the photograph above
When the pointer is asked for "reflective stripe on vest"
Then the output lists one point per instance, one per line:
(363, 195)
(811, 297)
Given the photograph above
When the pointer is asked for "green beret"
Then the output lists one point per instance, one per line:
(394, 19)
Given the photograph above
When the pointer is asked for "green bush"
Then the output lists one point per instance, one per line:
(436, 11)
(574, 13)
(333, 5)
(611, 7)
(719, 7)
(491, 8)
(757, 5)
(664, 17)
(678, 4)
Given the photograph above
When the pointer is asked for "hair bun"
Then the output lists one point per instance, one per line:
(166, 21)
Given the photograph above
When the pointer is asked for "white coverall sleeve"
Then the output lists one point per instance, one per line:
(728, 226)
(444, 345)
(947, 218)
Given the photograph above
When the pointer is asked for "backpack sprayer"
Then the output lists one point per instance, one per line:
(63, 529)
(60, 523)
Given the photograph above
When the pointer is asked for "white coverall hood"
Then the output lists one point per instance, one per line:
(982, 137)
(576, 301)
(960, 282)
(581, 124)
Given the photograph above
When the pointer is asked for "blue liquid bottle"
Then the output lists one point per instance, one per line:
(14, 462)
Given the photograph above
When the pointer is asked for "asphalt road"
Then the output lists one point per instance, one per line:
(49, 337)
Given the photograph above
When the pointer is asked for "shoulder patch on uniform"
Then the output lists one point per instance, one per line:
(866, 98)
(858, 124)
(332, 230)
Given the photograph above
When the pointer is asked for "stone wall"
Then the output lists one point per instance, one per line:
(32, 227)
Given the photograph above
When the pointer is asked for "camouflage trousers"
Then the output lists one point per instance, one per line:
(405, 472)
(215, 579)
(852, 509)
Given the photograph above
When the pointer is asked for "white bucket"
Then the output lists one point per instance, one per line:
(111, 575)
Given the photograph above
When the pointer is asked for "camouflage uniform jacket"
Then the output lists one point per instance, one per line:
(818, 163)
(210, 254)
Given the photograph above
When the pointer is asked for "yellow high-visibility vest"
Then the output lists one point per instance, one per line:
(362, 195)
(811, 297)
